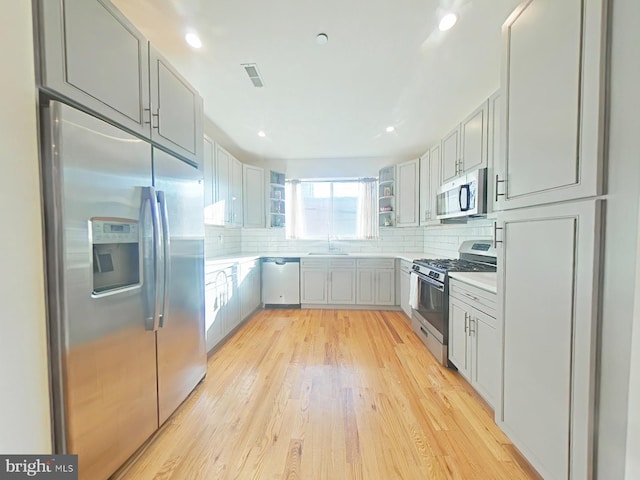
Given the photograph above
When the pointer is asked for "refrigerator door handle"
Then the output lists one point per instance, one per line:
(162, 200)
(149, 195)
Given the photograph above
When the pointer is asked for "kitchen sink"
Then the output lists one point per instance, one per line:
(328, 253)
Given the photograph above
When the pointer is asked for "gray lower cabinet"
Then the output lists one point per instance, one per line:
(376, 282)
(92, 55)
(222, 308)
(548, 306)
(249, 281)
(327, 281)
(232, 293)
(342, 285)
(343, 281)
(405, 285)
(459, 337)
(313, 281)
(474, 340)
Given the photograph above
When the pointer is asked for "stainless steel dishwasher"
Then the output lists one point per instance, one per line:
(281, 282)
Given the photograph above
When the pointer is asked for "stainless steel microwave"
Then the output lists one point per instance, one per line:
(465, 196)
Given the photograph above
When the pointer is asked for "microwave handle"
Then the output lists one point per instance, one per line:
(466, 187)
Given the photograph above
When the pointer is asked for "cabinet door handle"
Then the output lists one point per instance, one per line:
(495, 234)
(471, 321)
(471, 296)
(157, 117)
(498, 181)
(466, 326)
(147, 122)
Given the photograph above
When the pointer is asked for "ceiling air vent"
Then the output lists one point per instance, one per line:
(254, 76)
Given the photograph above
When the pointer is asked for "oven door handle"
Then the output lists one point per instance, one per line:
(433, 283)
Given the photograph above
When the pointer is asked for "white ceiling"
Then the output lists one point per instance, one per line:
(386, 63)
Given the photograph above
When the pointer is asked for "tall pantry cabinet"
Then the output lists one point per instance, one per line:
(547, 180)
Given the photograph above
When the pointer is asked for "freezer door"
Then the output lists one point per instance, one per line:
(100, 296)
(180, 338)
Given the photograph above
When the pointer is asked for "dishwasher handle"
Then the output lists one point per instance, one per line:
(281, 260)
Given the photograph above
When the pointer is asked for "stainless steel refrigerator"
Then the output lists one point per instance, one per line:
(125, 275)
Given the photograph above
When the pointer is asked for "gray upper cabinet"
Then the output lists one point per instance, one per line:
(176, 110)
(473, 140)
(236, 193)
(222, 212)
(91, 55)
(465, 147)
(429, 184)
(553, 86)
(493, 144)
(253, 193)
(450, 158)
(407, 194)
(209, 172)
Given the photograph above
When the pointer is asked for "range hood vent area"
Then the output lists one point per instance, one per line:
(254, 75)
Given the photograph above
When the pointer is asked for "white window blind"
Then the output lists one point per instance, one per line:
(340, 209)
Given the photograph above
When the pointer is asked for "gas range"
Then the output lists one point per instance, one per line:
(430, 315)
(437, 269)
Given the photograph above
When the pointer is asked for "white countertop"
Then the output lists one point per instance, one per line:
(215, 263)
(485, 280)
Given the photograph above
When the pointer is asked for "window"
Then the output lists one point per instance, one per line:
(342, 209)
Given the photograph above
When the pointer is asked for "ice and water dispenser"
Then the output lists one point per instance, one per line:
(116, 254)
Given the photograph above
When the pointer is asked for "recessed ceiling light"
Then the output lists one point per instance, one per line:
(262, 134)
(448, 21)
(390, 128)
(193, 39)
(322, 38)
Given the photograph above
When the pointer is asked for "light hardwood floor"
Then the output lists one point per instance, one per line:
(329, 394)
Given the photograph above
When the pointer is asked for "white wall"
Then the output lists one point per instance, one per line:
(621, 233)
(24, 389)
(633, 437)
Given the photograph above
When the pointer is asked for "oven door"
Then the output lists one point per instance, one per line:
(432, 307)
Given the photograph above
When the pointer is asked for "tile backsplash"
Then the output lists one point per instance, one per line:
(255, 240)
(221, 241)
(438, 241)
(444, 240)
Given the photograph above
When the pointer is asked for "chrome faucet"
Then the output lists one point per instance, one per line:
(330, 246)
